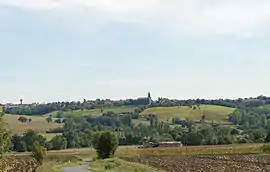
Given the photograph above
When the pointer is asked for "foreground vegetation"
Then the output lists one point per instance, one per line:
(118, 165)
(13, 163)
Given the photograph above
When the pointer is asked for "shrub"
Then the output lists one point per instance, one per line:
(106, 143)
(265, 148)
(38, 153)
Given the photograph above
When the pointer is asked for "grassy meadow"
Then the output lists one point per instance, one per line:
(50, 136)
(218, 114)
(38, 124)
(96, 112)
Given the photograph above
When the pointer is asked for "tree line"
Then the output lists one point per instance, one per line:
(41, 109)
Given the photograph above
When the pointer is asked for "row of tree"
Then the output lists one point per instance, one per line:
(40, 109)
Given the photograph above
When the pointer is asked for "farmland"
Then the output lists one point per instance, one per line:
(201, 158)
(38, 124)
(224, 163)
(246, 157)
(96, 112)
(217, 114)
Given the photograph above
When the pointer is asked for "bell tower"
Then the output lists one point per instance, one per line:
(149, 98)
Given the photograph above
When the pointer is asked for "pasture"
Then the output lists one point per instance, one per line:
(96, 112)
(217, 114)
(38, 124)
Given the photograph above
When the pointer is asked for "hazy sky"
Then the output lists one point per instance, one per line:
(54, 50)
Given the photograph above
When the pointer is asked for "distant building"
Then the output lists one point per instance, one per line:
(161, 144)
(149, 98)
(170, 144)
(142, 100)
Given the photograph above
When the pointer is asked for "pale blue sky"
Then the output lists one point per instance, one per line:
(70, 50)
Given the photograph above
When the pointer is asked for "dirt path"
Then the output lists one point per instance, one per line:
(79, 168)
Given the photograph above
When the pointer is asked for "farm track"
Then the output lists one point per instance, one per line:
(79, 168)
(230, 163)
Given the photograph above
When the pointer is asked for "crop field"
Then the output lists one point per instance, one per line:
(217, 114)
(229, 158)
(96, 112)
(38, 124)
(217, 163)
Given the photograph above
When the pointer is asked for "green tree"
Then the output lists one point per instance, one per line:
(267, 139)
(106, 144)
(5, 137)
(95, 139)
(193, 139)
(59, 142)
(18, 143)
(49, 119)
(30, 137)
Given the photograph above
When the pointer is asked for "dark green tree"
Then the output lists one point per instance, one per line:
(267, 139)
(106, 144)
(59, 142)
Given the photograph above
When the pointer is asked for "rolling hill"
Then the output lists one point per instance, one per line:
(218, 114)
(38, 124)
(96, 112)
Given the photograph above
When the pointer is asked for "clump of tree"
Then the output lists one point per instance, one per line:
(49, 119)
(105, 143)
(23, 119)
(25, 142)
(59, 142)
(58, 121)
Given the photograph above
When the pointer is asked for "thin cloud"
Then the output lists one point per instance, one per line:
(245, 18)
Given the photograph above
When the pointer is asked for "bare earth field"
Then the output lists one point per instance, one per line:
(215, 163)
(229, 158)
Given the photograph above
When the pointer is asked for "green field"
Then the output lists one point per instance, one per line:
(50, 136)
(96, 112)
(218, 114)
(38, 124)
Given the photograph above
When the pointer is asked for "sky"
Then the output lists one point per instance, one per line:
(63, 50)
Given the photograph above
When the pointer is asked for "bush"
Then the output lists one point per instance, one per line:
(267, 139)
(59, 142)
(266, 148)
(38, 153)
(106, 143)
